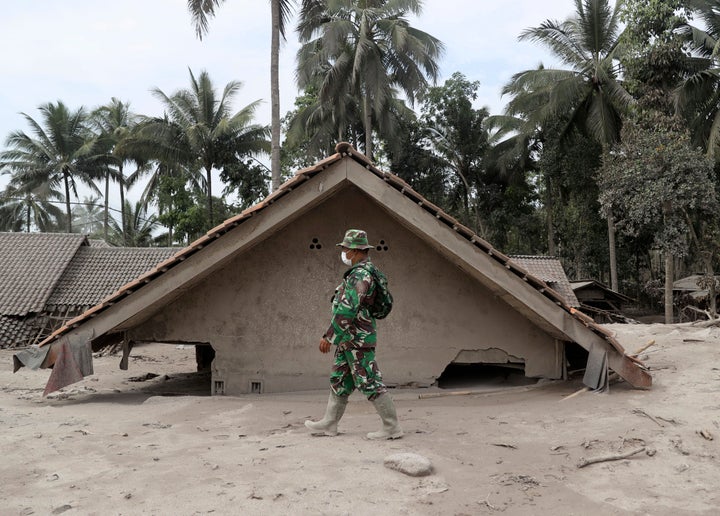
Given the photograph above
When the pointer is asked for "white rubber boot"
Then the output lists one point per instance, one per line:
(386, 409)
(328, 424)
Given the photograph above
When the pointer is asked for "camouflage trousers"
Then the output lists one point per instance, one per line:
(356, 369)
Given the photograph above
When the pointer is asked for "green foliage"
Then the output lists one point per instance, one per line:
(60, 152)
(655, 182)
(414, 162)
(363, 51)
(655, 59)
(28, 207)
(248, 180)
(699, 94)
(88, 217)
(455, 133)
(200, 132)
(138, 229)
(571, 201)
(312, 131)
(587, 93)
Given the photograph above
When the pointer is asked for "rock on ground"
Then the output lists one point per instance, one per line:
(409, 463)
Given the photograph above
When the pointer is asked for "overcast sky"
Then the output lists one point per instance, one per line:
(84, 52)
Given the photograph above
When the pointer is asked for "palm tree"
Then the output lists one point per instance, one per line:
(588, 93)
(137, 231)
(699, 95)
(89, 216)
(279, 15)
(199, 128)
(115, 123)
(589, 90)
(26, 205)
(365, 50)
(61, 152)
(168, 187)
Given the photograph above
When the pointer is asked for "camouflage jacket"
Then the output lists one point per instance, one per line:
(352, 326)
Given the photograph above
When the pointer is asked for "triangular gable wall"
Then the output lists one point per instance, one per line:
(457, 243)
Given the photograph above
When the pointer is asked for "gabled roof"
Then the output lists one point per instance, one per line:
(690, 283)
(30, 266)
(508, 280)
(96, 272)
(550, 270)
(580, 285)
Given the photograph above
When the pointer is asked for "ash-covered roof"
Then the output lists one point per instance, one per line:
(96, 272)
(550, 270)
(30, 266)
(630, 367)
(15, 331)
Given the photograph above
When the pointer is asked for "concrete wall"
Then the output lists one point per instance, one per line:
(265, 312)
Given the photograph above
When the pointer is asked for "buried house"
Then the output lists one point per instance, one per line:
(257, 289)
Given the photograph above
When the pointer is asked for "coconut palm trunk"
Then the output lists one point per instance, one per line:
(208, 178)
(275, 94)
(121, 181)
(68, 212)
(612, 252)
(107, 206)
(367, 124)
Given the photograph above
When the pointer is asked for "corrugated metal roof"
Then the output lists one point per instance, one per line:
(96, 272)
(344, 150)
(550, 270)
(30, 266)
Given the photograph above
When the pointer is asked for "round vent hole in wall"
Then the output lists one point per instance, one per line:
(381, 246)
(315, 244)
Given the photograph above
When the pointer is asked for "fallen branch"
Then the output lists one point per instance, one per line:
(606, 458)
(646, 346)
(576, 393)
(641, 412)
(508, 390)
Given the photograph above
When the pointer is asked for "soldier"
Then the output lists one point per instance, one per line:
(352, 332)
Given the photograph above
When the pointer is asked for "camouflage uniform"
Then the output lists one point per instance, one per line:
(353, 332)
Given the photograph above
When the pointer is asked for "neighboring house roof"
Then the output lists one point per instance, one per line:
(96, 272)
(584, 285)
(16, 331)
(689, 285)
(32, 264)
(550, 270)
(505, 278)
(47, 276)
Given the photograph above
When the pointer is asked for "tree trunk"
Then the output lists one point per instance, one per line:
(712, 292)
(208, 171)
(668, 288)
(549, 205)
(707, 257)
(123, 227)
(67, 203)
(367, 124)
(107, 206)
(611, 249)
(27, 229)
(275, 95)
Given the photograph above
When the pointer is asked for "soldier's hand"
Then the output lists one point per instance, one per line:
(324, 345)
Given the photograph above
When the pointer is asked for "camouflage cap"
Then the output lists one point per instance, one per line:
(355, 239)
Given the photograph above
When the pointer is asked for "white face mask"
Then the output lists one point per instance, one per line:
(347, 261)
